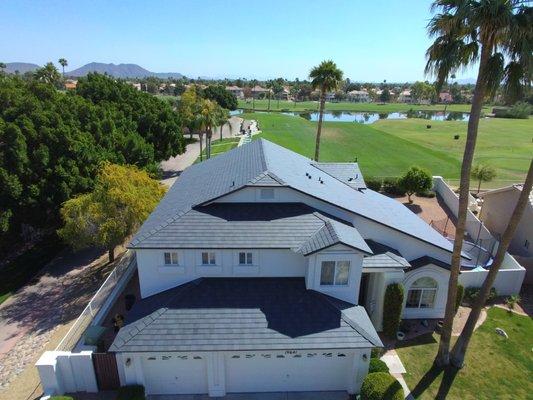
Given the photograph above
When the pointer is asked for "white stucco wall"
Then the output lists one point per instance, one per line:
(155, 277)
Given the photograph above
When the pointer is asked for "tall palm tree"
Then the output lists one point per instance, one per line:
(460, 347)
(466, 32)
(269, 85)
(223, 117)
(253, 82)
(209, 118)
(326, 77)
(63, 62)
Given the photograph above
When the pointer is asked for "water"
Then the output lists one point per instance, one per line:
(371, 117)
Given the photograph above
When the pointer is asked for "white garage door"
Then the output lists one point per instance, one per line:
(278, 372)
(175, 374)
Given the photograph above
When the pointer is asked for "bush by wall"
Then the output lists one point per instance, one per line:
(131, 392)
(392, 309)
(471, 293)
(376, 365)
(391, 186)
(381, 386)
(373, 184)
(459, 297)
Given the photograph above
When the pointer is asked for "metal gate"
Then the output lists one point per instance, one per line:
(105, 368)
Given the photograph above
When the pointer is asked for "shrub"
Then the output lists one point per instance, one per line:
(390, 186)
(519, 111)
(415, 180)
(392, 309)
(471, 293)
(376, 365)
(131, 392)
(456, 137)
(373, 184)
(377, 352)
(459, 297)
(381, 386)
(429, 194)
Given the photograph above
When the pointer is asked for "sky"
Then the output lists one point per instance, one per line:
(370, 40)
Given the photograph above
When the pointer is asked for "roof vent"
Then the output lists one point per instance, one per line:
(232, 183)
(350, 179)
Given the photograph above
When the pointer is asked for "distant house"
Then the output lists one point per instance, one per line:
(136, 85)
(445, 97)
(237, 91)
(258, 91)
(498, 205)
(358, 96)
(71, 84)
(405, 97)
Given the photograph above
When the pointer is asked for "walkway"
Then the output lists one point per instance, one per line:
(175, 165)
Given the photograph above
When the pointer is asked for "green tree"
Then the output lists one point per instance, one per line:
(467, 32)
(223, 97)
(421, 91)
(415, 180)
(392, 309)
(63, 62)
(326, 77)
(384, 97)
(122, 199)
(483, 173)
(48, 74)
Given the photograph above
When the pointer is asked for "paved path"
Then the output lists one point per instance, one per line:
(29, 318)
(175, 165)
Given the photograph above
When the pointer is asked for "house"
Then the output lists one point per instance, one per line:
(71, 84)
(405, 97)
(260, 92)
(358, 96)
(236, 90)
(261, 270)
(445, 97)
(497, 208)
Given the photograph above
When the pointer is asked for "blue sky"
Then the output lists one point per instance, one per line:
(369, 40)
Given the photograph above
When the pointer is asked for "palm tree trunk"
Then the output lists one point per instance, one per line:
(201, 137)
(209, 135)
(459, 350)
(443, 354)
(479, 186)
(253, 100)
(319, 126)
(111, 254)
(269, 101)
(221, 127)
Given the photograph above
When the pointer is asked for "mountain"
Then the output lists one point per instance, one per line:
(21, 67)
(120, 71)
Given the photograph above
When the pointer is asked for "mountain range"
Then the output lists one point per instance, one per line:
(116, 70)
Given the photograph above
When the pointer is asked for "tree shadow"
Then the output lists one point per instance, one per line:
(413, 207)
(424, 339)
(448, 376)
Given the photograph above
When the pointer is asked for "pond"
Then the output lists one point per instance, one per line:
(371, 117)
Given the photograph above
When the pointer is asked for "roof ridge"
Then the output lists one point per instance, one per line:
(137, 240)
(359, 329)
(334, 177)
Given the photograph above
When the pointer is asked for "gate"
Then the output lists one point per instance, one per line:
(105, 368)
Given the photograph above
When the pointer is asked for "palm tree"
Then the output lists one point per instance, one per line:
(466, 32)
(326, 77)
(269, 85)
(63, 62)
(208, 117)
(460, 347)
(483, 173)
(253, 82)
(223, 117)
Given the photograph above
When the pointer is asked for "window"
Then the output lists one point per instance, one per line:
(171, 258)
(334, 273)
(209, 258)
(422, 293)
(246, 258)
(267, 193)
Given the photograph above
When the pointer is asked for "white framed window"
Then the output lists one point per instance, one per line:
(209, 258)
(422, 293)
(171, 258)
(334, 273)
(246, 258)
(266, 193)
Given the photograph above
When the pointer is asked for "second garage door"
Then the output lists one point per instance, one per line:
(278, 372)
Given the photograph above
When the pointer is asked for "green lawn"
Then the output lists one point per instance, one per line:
(506, 144)
(262, 105)
(496, 368)
(219, 147)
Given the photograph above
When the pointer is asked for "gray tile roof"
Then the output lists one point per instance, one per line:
(384, 257)
(255, 225)
(349, 173)
(221, 314)
(242, 166)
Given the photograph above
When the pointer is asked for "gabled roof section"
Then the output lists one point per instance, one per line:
(261, 162)
(426, 260)
(348, 173)
(384, 257)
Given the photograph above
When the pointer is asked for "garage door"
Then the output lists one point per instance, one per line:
(185, 374)
(278, 372)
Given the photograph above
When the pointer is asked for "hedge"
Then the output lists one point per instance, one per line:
(381, 386)
(373, 184)
(131, 392)
(376, 365)
(392, 309)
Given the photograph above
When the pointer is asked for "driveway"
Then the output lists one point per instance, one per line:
(175, 165)
(30, 317)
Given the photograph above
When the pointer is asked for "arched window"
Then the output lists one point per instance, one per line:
(422, 293)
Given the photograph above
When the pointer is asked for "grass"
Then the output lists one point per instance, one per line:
(496, 368)
(21, 270)
(262, 105)
(219, 147)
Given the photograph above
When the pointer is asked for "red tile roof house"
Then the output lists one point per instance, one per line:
(264, 271)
